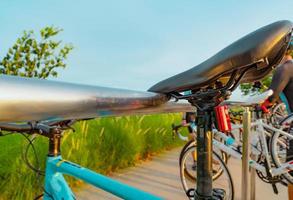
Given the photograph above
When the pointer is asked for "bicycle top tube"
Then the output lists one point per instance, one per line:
(56, 166)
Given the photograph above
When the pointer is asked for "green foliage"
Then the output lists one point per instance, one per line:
(248, 88)
(103, 145)
(31, 57)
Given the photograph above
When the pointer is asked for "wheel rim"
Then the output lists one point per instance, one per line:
(280, 147)
(223, 181)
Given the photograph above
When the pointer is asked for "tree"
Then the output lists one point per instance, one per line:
(32, 58)
(257, 87)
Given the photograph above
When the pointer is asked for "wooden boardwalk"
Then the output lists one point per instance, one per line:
(160, 176)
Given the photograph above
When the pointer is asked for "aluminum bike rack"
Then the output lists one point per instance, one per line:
(247, 193)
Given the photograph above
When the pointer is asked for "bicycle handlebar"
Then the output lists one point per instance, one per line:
(16, 127)
(40, 127)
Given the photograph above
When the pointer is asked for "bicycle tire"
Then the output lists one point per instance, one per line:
(190, 143)
(279, 143)
(225, 175)
(279, 112)
(217, 174)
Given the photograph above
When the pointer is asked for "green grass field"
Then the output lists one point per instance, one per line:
(103, 145)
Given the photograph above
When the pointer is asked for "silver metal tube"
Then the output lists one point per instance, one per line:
(29, 99)
(245, 154)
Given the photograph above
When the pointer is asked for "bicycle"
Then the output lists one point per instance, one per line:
(190, 162)
(55, 186)
(281, 145)
(276, 112)
(189, 143)
(248, 59)
(221, 175)
(265, 168)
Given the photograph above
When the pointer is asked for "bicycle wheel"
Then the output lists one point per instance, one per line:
(185, 147)
(223, 181)
(279, 112)
(282, 146)
(217, 171)
(192, 142)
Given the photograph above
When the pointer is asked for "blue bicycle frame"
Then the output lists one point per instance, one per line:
(57, 188)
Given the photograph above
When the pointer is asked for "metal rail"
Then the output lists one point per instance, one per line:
(248, 188)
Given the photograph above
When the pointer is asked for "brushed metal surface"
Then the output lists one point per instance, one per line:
(28, 99)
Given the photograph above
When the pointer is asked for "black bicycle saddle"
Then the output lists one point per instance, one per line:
(263, 48)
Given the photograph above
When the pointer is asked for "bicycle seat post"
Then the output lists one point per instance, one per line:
(204, 155)
(205, 119)
(54, 142)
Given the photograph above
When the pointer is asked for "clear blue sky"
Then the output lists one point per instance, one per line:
(135, 44)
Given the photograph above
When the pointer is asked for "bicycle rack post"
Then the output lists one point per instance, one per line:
(245, 154)
(204, 188)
